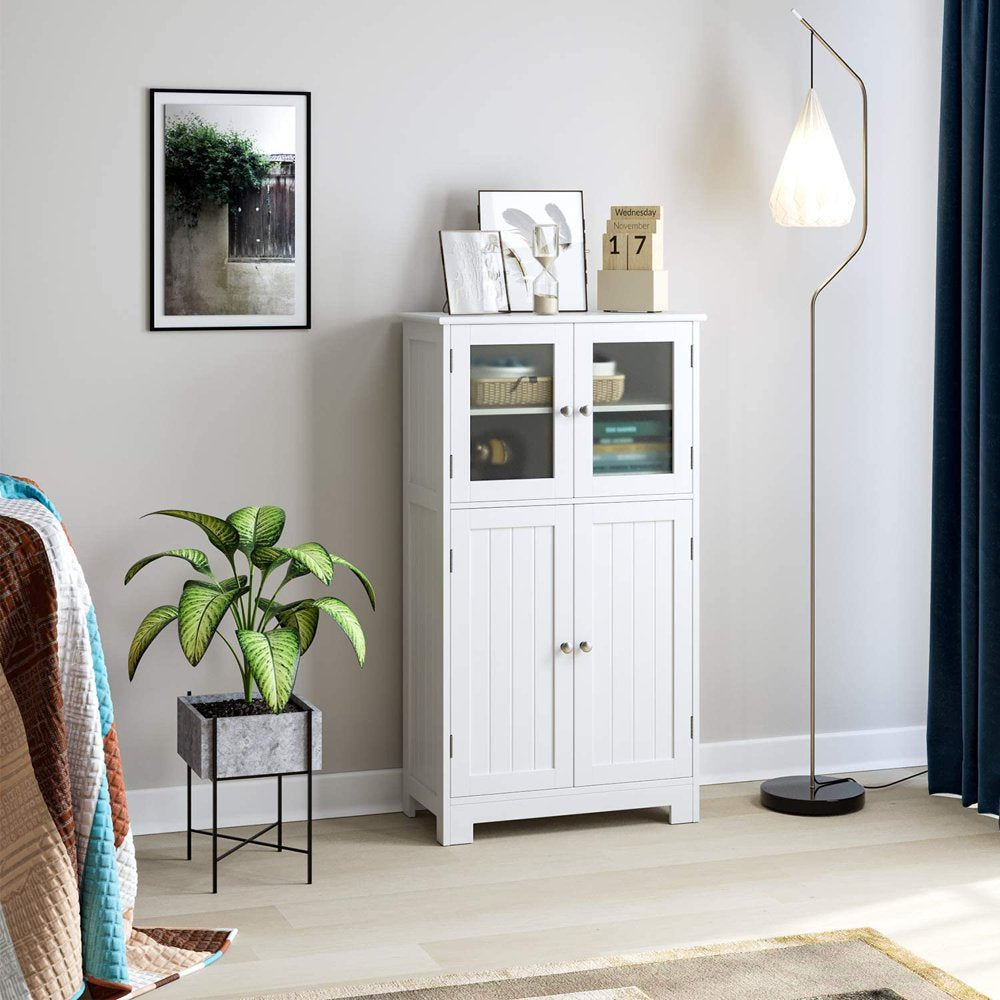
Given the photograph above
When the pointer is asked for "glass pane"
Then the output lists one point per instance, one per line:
(510, 422)
(633, 409)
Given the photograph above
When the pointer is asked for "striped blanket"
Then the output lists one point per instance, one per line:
(67, 861)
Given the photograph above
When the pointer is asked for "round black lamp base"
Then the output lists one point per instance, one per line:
(795, 795)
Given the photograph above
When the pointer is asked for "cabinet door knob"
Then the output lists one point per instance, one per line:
(566, 647)
(564, 410)
(585, 410)
(586, 646)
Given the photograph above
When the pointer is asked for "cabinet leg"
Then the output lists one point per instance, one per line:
(681, 811)
(410, 805)
(453, 831)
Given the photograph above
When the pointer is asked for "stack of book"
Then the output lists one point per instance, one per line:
(623, 445)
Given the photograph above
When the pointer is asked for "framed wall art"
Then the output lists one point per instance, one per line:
(515, 214)
(474, 277)
(229, 210)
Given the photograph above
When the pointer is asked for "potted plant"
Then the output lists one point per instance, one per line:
(262, 735)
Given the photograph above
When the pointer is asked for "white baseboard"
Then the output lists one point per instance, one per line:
(364, 793)
(350, 793)
(867, 750)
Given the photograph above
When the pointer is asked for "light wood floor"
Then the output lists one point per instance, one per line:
(389, 902)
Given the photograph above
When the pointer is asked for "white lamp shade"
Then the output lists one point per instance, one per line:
(812, 188)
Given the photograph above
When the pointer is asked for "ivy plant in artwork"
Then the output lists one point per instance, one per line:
(205, 164)
(269, 637)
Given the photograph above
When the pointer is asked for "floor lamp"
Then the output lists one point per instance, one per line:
(812, 189)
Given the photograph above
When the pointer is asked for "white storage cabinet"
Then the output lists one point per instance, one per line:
(550, 566)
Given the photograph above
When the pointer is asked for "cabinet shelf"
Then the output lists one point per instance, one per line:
(625, 406)
(632, 406)
(651, 471)
(508, 411)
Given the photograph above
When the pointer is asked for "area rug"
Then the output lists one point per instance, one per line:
(839, 965)
(67, 865)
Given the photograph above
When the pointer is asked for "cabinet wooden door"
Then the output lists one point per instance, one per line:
(511, 411)
(633, 670)
(633, 422)
(511, 684)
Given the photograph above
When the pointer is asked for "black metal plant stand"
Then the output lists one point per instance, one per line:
(255, 839)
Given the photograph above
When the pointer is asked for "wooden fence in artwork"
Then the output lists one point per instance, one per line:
(262, 223)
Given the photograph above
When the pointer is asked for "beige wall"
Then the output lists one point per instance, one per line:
(416, 106)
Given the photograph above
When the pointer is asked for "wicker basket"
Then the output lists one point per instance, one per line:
(534, 390)
(608, 388)
(537, 391)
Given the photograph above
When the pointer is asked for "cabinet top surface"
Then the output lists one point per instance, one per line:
(444, 319)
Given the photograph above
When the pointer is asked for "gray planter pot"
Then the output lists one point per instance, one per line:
(248, 745)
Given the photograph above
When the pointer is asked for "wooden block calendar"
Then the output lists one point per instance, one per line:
(633, 242)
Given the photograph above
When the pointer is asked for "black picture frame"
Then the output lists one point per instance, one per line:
(302, 280)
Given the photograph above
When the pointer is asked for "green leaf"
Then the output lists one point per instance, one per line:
(230, 583)
(201, 609)
(272, 607)
(267, 557)
(258, 527)
(273, 658)
(302, 617)
(365, 582)
(220, 533)
(347, 620)
(149, 628)
(195, 557)
(310, 557)
(267, 605)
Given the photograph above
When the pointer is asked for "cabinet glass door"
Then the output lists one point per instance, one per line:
(512, 411)
(633, 391)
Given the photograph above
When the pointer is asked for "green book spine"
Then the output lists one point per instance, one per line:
(626, 459)
(621, 470)
(629, 428)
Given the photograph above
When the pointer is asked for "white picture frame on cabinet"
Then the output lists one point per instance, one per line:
(515, 214)
(474, 277)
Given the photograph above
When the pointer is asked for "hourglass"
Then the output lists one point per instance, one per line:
(545, 247)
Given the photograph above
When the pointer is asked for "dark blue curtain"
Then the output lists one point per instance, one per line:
(963, 719)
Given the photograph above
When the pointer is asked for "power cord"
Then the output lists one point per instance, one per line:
(871, 788)
(898, 781)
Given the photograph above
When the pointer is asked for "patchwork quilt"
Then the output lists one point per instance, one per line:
(67, 862)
